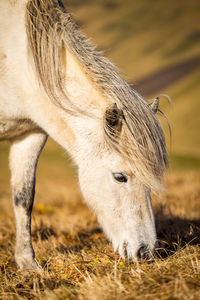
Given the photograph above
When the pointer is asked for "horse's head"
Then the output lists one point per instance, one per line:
(121, 203)
(117, 179)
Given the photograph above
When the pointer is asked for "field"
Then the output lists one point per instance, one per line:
(78, 260)
(148, 42)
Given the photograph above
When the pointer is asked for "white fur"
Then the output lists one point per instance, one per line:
(27, 115)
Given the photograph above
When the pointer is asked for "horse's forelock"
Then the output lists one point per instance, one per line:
(141, 143)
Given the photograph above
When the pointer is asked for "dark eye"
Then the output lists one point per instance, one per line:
(120, 177)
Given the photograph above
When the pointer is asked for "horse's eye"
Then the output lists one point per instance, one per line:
(120, 177)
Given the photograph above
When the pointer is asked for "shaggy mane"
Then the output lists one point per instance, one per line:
(50, 31)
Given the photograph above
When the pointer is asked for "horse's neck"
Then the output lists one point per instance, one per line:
(83, 93)
(80, 88)
(75, 133)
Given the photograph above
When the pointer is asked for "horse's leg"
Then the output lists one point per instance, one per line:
(24, 154)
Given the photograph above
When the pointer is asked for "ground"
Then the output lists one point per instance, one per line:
(78, 260)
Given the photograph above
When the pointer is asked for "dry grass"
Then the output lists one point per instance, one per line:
(78, 260)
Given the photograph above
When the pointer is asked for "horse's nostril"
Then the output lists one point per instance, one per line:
(143, 252)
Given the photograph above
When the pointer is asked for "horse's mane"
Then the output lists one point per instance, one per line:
(51, 30)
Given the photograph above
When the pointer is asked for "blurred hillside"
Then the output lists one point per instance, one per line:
(156, 45)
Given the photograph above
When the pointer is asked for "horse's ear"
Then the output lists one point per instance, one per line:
(113, 118)
(154, 105)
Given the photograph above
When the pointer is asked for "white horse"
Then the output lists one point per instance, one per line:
(54, 82)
